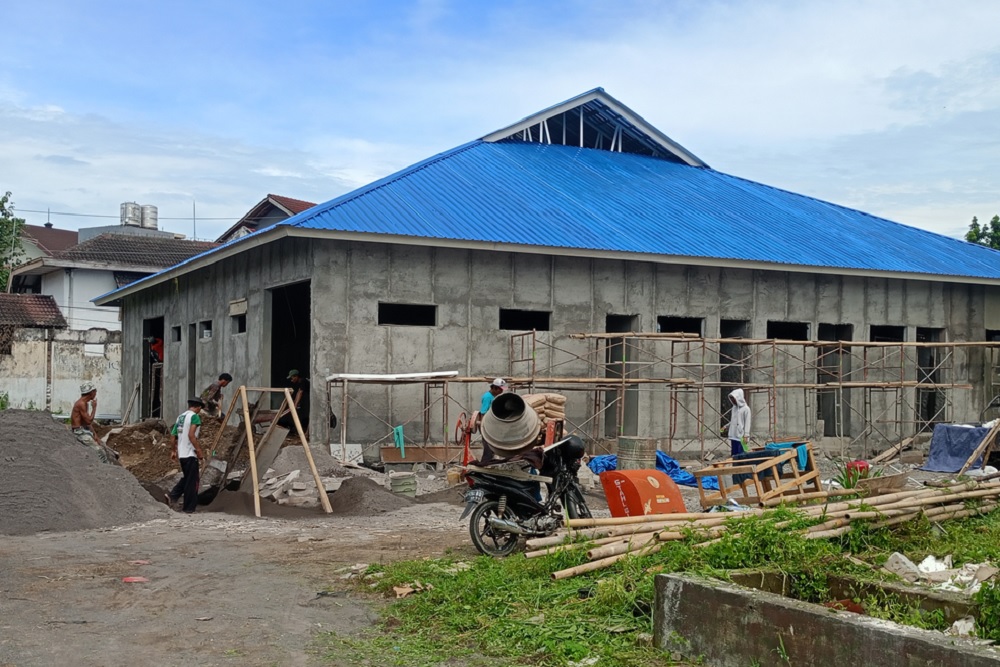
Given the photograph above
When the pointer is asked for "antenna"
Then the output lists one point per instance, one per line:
(194, 221)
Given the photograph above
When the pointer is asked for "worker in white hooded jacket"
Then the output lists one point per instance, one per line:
(739, 422)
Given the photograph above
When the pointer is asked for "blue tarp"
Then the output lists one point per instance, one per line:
(664, 464)
(951, 447)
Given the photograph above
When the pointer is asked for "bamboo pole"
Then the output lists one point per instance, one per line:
(649, 518)
(320, 489)
(253, 453)
(812, 495)
(620, 547)
(603, 563)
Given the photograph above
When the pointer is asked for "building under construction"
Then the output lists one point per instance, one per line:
(583, 248)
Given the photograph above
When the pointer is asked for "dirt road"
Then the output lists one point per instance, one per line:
(222, 590)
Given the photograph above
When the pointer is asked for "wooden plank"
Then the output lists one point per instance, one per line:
(253, 454)
(893, 451)
(422, 454)
(267, 451)
(981, 447)
(320, 489)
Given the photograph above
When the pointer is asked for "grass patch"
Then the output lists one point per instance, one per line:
(484, 610)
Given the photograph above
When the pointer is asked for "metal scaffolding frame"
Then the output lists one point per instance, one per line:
(876, 392)
(869, 393)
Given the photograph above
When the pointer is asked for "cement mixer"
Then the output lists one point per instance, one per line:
(504, 497)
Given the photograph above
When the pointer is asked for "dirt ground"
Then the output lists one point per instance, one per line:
(222, 590)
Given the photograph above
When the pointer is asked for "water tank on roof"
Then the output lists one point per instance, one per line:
(131, 214)
(149, 216)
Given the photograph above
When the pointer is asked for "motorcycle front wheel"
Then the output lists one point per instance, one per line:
(489, 540)
(576, 506)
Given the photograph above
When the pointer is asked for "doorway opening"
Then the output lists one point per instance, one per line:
(151, 376)
(290, 333)
(732, 363)
(617, 361)
(833, 366)
(930, 402)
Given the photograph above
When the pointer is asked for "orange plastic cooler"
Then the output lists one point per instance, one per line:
(640, 492)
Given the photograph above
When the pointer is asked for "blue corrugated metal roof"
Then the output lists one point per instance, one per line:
(567, 197)
(562, 197)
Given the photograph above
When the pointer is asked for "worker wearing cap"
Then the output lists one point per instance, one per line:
(496, 388)
(187, 452)
(300, 398)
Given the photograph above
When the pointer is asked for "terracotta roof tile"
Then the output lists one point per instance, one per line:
(30, 310)
(124, 250)
(293, 205)
(50, 239)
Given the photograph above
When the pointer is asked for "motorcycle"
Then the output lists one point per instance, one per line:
(503, 500)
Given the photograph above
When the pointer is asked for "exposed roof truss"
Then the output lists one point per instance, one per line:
(596, 120)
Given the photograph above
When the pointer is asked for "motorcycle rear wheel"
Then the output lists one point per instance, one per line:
(487, 539)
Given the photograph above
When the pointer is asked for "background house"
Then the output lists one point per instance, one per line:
(43, 363)
(581, 218)
(45, 240)
(270, 210)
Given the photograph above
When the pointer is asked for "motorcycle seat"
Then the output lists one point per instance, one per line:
(511, 474)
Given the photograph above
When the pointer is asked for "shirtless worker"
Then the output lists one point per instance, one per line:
(81, 420)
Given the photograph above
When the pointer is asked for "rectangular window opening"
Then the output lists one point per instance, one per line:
(175, 334)
(993, 335)
(687, 325)
(239, 323)
(407, 314)
(787, 330)
(524, 320)
(887, 334)
(205, 329)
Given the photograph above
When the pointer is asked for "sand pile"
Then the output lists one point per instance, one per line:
(48, 481)
(360, 496)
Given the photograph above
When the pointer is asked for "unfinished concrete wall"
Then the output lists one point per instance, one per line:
(468, 289)
(46, 368)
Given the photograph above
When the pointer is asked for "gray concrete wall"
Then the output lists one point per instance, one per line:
(470, 287)
(725, 625)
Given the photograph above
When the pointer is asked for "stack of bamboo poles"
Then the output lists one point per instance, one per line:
(607, 541)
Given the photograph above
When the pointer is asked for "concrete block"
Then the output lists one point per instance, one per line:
(902, 567)
(299, 486)
(724, 625)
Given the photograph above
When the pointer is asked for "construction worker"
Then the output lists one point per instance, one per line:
(212, 396)
(81, 421)
(187, 451)
(155, 349)
(739, 422)
(300, 399)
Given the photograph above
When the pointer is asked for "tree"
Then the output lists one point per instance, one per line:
(10, 240)
(987, 234)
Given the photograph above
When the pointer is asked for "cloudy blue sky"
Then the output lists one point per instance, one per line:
(891, 106)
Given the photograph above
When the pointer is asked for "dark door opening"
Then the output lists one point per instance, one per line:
(192, 362)
(732, 363)
(833, 366)
(617, 358)
(930, 400)
(151, 377)
(291, 332)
